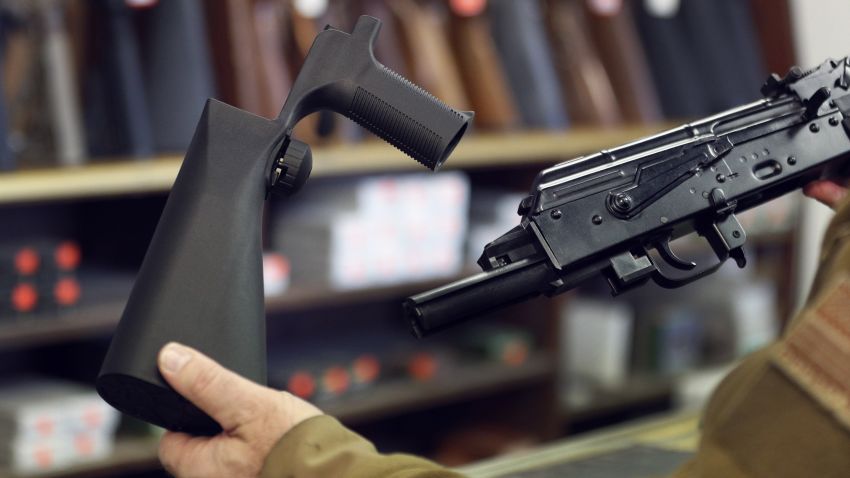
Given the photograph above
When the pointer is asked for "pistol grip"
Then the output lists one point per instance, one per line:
(341, 74)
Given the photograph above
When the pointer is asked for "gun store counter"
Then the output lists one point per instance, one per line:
(646, 448)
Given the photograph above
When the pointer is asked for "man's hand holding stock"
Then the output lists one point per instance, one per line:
(253, 417)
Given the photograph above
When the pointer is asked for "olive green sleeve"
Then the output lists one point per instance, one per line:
(321, 447)
(834, 260)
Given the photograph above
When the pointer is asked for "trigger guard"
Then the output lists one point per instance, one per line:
(671, 277)
(670, 257)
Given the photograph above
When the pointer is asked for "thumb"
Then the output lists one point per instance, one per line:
(231, 400)
(827, 192)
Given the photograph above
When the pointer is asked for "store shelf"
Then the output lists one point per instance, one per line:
(686, 389)
(677, 431)
(139, 454)
(136, 176)
(129, 455)
(301, 298)
(85, 321)
(464, 383)
(636, 391)
(99, 319)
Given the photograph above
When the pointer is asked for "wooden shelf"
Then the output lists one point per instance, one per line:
(156, 175)
(464, 383)
(636, 391)
(85, 321)
(301, 298)
(678, 431)
(100, 319)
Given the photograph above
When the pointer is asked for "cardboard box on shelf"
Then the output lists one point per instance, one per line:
(596, 340)
(384, 230)
(47, 424)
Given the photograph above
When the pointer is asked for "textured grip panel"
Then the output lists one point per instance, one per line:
(341, 74)
(406, 116)
(405, 133)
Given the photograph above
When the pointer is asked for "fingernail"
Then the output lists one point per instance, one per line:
(174, 357)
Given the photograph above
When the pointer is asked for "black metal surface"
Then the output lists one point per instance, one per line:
(440, 308)
(614, 212)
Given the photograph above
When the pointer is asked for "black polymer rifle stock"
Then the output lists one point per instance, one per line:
(615, 212)
(201, 281)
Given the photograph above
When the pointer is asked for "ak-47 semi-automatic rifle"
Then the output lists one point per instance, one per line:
(615, 212)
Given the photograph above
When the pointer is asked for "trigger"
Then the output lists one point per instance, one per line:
(740, 258)
(671, 258)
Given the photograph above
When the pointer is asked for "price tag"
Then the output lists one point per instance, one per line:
(606, 8)
(662, 8)
(311, 8)
(468, 8)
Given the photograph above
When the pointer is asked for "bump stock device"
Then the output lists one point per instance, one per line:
(201, 280)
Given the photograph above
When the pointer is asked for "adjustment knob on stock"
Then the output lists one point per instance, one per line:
(292, 168)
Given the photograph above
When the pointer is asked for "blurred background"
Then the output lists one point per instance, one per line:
(100, 99)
